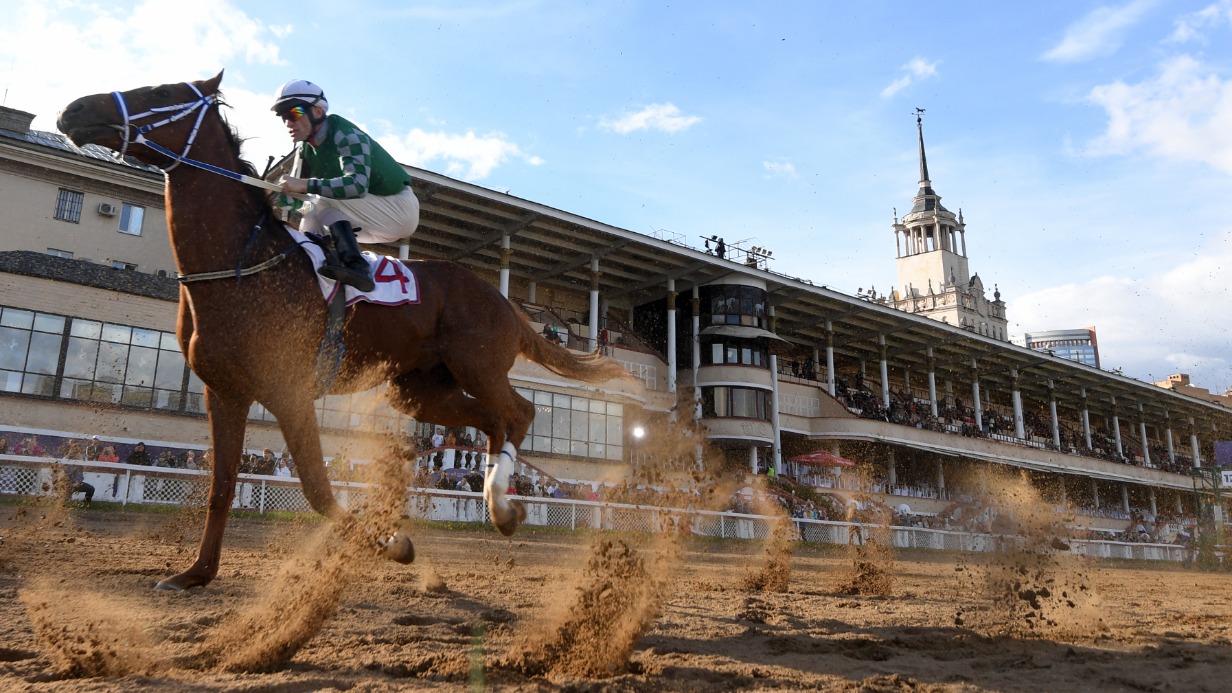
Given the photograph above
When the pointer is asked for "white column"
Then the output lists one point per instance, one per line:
(1095, 493)
(1154, 505)
(1146, 451)
(830, 386)
(753, 459)
(1016, 400)
(776, 450)
(932, 382)
(940, 478)
(891, 472)
(697, 352)
(404, 251)
(1195, 451)
(975, 395)
(671, 336)
(593, 335)
(1064, 493)
(1168, 437)
(816, 362)
(885, 372)
(1086, 419)
(1052, 412)
(504, 265)
(532, 291)
(1116, 429)
(1125, 497)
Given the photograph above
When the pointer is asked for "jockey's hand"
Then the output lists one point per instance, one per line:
(294, 186)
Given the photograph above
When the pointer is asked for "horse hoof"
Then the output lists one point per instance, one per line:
(399, 549)
(507, 522)
(172, 584)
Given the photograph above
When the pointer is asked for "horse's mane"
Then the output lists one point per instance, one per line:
(235, 142)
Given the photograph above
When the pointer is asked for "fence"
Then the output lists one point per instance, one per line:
(122, 483)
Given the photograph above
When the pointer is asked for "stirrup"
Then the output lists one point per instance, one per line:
(346, 275)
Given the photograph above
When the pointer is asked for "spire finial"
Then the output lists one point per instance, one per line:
(919, 125)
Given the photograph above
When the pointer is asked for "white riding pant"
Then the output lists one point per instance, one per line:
(380, 218)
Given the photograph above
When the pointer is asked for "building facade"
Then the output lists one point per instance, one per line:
(768, 366)
(934, 277)
(1079, 345)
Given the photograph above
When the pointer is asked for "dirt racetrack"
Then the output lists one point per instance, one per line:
(77, 612)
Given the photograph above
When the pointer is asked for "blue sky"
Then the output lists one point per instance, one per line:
(1088, 144)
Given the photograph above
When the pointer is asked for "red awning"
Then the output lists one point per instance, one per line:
(822, 458)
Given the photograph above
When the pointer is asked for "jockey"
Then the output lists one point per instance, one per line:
(347, 177)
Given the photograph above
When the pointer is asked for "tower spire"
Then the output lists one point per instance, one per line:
(919, 126)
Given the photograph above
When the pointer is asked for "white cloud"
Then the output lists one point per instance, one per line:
(1192, 27)
(469, 157)
(1150, 325)
(1099, 33)
(779, 169)
(664, 117)
(56, 50)
(1181, 114)
(917, 68)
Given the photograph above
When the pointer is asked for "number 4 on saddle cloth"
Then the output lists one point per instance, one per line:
(395, 282)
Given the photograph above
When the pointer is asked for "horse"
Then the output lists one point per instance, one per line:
(252, 334)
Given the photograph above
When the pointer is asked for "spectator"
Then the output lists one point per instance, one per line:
(438, 438)
(190, 460)
(450, 439)
(76, 483)
(93, 449)
(267, 462)
(4, 445)
(281, 469)
(72, 451)
(139, 456)
(163, 460)
(108, 454)
(30, 447)
(290, 462)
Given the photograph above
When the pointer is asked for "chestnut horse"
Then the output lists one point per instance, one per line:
(256, 338)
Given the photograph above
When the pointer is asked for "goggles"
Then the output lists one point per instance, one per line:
(293, 114)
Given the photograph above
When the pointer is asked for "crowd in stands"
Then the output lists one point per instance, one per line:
(960, 419)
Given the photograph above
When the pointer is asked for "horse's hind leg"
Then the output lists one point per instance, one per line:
(228, 419)
(438, 397)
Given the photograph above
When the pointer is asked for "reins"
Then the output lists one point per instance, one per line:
(201, 106)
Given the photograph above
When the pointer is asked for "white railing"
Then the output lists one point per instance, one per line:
(799, 405)
(648, 374)
(123, 483)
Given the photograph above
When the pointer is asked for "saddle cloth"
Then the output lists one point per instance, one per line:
(395, 282)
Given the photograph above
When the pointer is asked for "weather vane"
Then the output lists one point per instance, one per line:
(918, 112)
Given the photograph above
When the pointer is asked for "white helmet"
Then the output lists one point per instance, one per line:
(299, 92)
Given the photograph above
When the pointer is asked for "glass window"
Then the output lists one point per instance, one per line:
(68, 205)
(130, 219)
(55, 252)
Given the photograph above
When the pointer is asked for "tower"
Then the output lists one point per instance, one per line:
(934, 277)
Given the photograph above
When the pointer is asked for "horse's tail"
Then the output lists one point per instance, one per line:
(588, 368)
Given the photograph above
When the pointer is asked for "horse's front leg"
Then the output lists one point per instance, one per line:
(299, 428)
(228, 418)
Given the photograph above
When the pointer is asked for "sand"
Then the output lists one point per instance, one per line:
(545, 610)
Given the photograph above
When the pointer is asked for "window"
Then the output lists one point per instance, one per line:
(731, 304)
(29, 351)
(59, 253)
(118, 264)
(735, 402)
(130, 219)
(735, 352)
(68, 205)
(576, 426)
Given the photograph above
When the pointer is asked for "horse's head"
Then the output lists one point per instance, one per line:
(117, 119)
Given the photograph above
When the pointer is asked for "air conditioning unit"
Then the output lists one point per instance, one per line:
(106, 209)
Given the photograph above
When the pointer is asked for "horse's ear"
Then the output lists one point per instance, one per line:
(210, 86)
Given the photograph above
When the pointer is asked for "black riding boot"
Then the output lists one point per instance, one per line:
(352, 269)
